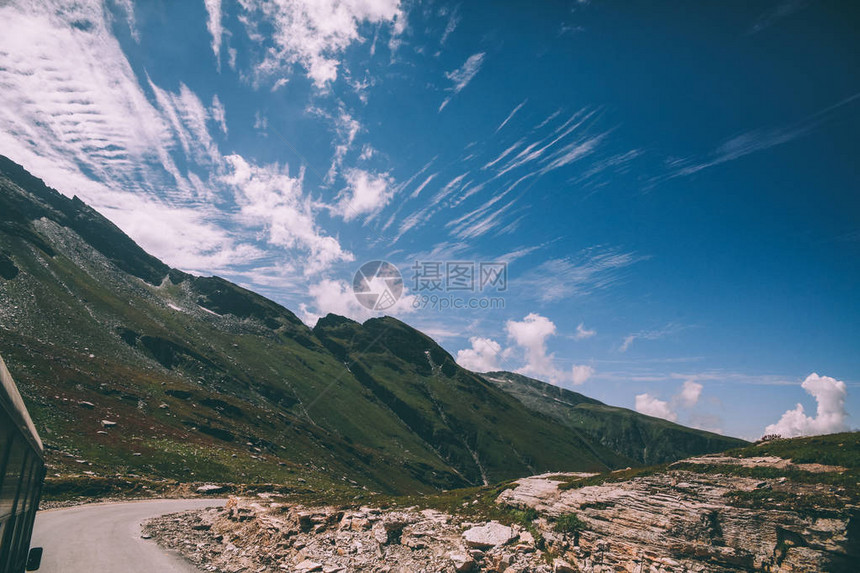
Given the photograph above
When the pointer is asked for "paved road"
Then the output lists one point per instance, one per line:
(106, 538)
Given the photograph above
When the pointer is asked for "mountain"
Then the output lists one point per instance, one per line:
(132, 369)
(645, 439)
(483, 432)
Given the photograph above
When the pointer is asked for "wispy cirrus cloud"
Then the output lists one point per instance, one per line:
(461, 77)
(511, 115)
(77, 115)
(783, 9)
(218, 113)
(756, 140)
(346, 129)
(582, 333)
(500, 179)
(58, 101)
(593, 269)
(488, 216)
(655, 334)
(213, 24)
(423, 184)
(452, 23)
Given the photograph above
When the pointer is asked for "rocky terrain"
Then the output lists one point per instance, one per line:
(748, 510)
(264, 536)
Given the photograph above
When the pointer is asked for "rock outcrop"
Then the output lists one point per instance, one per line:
(681, 520)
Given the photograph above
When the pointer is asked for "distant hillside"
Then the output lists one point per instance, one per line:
(131, 368)
(646, 439)
(484, 433)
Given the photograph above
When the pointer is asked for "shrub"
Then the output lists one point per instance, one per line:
(569, 523)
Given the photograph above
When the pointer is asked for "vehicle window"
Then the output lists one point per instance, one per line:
(14, 469)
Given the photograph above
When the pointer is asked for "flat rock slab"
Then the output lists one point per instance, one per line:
(490, 535)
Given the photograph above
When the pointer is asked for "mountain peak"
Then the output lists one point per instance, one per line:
(25, 198)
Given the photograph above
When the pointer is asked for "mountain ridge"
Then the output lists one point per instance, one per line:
(206, 380)
(647, 439)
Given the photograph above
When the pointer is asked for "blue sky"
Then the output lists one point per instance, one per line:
(673, 187)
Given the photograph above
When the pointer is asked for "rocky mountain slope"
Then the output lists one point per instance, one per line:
(786, 506)
(646, 439)
(135, 373)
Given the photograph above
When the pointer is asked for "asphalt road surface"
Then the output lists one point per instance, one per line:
(106, 537)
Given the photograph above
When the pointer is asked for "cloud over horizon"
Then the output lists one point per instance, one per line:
(830, 416)
(686, 397)
(529, 337)
(652, 406)
(483, 356)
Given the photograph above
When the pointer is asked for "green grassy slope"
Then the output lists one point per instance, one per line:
(205, 380)
(646, 439)
(841, 449)
(484, 433)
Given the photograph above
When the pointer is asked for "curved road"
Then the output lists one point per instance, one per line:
(106, 537)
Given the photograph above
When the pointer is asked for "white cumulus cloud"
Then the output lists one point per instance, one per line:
(581, 373)
(366, 194)
(483, 356)
(336, 296)
(270, 199)
(652, 406)
(830, 417)
(690, 392)
(687, 397)
(530, 336)
(314, 33)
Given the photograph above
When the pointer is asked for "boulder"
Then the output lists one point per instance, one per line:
(489, 535)
(379, 533)
(209, 489)
(461, 562)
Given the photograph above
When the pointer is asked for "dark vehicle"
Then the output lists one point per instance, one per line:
(22, 471)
